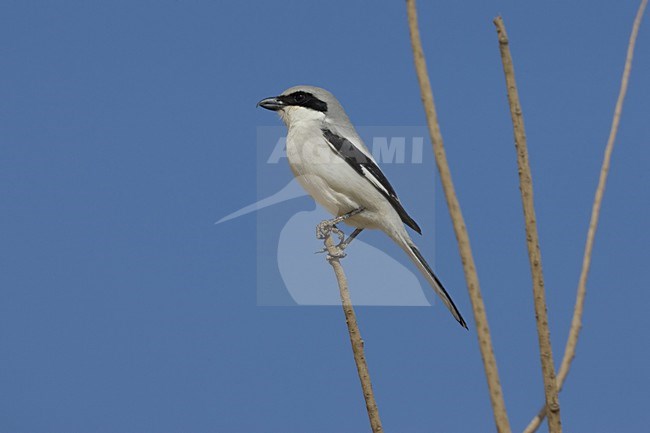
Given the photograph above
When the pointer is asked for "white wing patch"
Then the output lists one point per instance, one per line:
(329, 143)
(373, 180)
(365, 166)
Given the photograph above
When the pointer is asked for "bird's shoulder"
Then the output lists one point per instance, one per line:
(347, 134)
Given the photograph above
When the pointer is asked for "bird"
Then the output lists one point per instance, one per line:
(330, 161)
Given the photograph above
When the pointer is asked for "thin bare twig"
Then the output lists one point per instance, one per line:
(355, 336)
(480, 316)
(532, 236)
(576, 322)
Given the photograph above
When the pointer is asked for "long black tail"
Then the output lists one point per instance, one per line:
(424, 267)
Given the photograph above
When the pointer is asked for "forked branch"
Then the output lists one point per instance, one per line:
(576, 322)
(480, 316)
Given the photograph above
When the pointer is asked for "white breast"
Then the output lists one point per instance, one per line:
(331, 181)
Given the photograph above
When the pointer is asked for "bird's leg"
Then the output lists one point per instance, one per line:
(324, 228)
(329, 226)
(343, 245)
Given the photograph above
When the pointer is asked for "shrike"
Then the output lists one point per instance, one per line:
(332, 164)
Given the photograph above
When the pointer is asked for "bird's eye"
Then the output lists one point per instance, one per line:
(300, 97)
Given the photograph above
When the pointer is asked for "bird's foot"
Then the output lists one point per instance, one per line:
(343, 244)
(325, 228)
(323, 231)
(336, 255)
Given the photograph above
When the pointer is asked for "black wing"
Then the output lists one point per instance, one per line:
(368, 169)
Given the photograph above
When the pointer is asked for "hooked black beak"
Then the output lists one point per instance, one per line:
(273, 104)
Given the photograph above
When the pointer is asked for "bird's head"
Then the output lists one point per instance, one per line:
(304, 103)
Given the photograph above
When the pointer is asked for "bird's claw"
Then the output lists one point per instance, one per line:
(338, 254)
(340, 246)
(323, 230)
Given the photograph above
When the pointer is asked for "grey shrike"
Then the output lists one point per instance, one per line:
(332, 164)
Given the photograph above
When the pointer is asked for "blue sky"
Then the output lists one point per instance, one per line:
(128, 128)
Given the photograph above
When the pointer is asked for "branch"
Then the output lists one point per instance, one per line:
(576, 322)
(334, 253)
(480, 316)
(532, 237)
